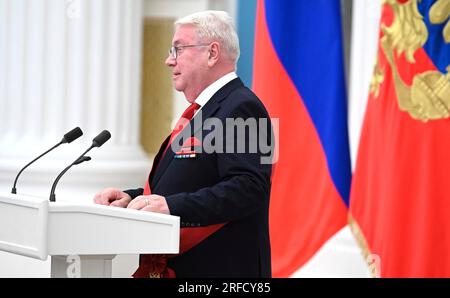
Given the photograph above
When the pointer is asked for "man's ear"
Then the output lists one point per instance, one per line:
(214, 53)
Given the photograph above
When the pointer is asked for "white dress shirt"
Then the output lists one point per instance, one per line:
(209, 91)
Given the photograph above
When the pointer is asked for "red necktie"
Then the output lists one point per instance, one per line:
(182, 123)
(187, 116)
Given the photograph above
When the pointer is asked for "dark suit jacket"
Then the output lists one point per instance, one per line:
(217, 188)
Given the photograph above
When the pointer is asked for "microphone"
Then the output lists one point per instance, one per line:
(98, 141)
(67, 138)
(101, 139)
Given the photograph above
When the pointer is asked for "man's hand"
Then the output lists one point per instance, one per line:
(112, 197)
(153, 203)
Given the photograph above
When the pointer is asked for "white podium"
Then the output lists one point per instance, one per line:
(82, 239)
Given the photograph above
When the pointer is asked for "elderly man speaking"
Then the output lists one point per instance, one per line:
(221, 196)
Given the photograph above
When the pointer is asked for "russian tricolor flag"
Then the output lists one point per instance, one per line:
(299, 75)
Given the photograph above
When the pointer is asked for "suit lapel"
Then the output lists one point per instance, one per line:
(207, 111)
(157, 160)
(214, 103)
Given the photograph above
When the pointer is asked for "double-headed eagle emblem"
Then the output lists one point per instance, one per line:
(428, 97)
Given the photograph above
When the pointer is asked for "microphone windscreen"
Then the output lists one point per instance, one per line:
(72, 135)
(101, 138)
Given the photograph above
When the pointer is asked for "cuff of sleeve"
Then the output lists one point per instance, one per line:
(173, 202)
(134, 192)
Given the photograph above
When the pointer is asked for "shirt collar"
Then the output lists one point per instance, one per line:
(209, 91)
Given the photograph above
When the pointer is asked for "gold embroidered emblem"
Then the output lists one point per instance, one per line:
(377, 80)
(428, 98)
(439, 13)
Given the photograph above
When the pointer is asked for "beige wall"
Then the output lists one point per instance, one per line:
(157, 89)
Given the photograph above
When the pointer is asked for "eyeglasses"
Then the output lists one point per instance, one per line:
(173, 51)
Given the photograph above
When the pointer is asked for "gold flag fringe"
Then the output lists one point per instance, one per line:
(363, 245)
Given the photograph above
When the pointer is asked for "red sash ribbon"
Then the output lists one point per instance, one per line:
(155, 266)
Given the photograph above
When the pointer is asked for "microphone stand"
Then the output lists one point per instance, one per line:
(77, 161)
(98, 141)
(14, 190)
(67, 138)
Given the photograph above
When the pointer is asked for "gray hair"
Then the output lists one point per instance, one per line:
(214, 25)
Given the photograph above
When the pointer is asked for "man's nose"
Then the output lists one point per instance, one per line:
(170, 61)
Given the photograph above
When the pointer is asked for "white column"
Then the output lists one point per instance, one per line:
(68, 63)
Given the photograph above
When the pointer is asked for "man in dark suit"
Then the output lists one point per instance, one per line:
(216, 180)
